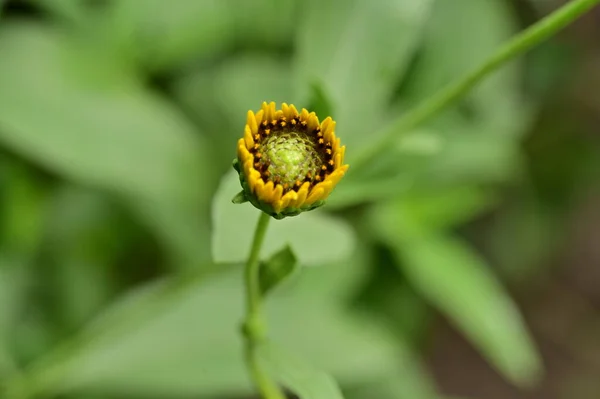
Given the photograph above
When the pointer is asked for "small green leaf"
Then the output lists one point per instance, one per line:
(297, 376)
(281, 265)
(239, 198)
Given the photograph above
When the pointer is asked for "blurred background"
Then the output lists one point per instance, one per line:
(462, 262)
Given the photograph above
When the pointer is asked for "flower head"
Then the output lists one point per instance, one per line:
(287, 161)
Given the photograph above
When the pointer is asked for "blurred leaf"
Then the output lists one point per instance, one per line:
(315, 237)
(437, 210)
(187, 343)
(277, 268)
(457, 281)
(363, 48)
(454, 279)
(14, 284)
(526, 238)
(393, 385)
(430, 159)
(450, 48)
(66, 10)
(185, 231)
(160, 35)
(252, 31)
(319, 103)
(220, 97)
(297, 376)
(84, 237)
(106, 131)
(22, 211)
(477, 138)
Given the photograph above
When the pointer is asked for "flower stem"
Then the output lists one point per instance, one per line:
(522, 42)
(254, 327)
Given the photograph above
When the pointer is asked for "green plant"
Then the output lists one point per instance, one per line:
(103, 163)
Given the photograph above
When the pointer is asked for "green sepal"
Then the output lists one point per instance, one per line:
(239, 198)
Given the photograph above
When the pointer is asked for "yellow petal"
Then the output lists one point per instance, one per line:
(293, 202)
(277, 193)
(315, 195)
(267, 192)
(273, 192)
(270, 114)
(248, 168)
(342, 152)
(313, 121)
(248, 137)
(276, 199)
(293, 111)
(288, 198)
(286, 110)
(242, 151)
(327, 127)
(335, 145)
(302, 194)
(337, 175)
(251, 122)
(259, 116)
(253, 180)
(330, 133)
(264, 107)
(304, 115)
(258, 186)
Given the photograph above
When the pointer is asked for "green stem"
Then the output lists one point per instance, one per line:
(524, 41)
(254, 327)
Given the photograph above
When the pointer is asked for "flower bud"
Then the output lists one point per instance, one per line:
(287, 161)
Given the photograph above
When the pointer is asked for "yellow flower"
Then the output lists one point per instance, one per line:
(287, 161)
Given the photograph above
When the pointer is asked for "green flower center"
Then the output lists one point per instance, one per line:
(290, 154)
(290, 157)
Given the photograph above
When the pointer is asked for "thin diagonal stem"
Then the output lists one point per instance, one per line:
(254, 327)
(521, 43)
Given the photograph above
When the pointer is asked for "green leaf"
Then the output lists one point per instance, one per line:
(315, 237)
(298, 376)
(65, 10)
(107, 131)
(220, 97)
(239, 198)
(458, 282)
(436, 210)
(14, 284)
(450, 48)
(21, 211)
(277, 268)
(161, 35)
(251, 33)
(82, 245)
(367, 46)
(448, 153)
(181, 338)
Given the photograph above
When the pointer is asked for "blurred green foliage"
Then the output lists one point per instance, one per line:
(120, 249)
